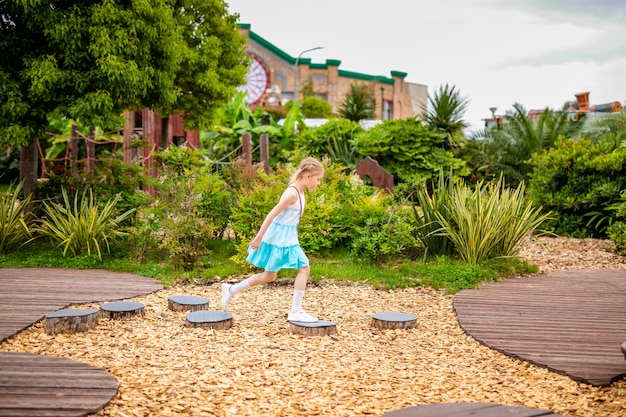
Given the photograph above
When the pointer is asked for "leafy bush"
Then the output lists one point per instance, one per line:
(617, 234)
(111, 177)
(191, 205)
(80, 225)
(407, 148)
(385, 234)
(14, 230)
(333, 139)
(580, 182)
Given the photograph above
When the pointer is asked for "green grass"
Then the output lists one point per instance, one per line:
(442, 273)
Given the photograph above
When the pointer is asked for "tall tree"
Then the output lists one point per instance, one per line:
(91, 60)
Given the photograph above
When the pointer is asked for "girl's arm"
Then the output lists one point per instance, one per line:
(288, 198)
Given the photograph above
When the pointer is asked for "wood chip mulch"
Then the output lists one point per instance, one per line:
(259, 368)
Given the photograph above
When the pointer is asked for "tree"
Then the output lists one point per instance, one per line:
(358, 103)
(446, 110)
(90, 61)
(607, 125)
(316, 108)
(509, 147)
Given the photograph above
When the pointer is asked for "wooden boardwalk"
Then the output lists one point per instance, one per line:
(37, 385)
(27, 295)
(571, 322)
(470, 410)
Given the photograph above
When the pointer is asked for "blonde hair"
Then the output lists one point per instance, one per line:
(307, 166)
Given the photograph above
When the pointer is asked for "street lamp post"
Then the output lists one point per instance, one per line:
(295, 71)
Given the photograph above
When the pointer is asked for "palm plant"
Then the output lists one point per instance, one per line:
(14, 230)
(605, 125)
(445, 112)
(80, 225)
(510, 146)
(358, 103)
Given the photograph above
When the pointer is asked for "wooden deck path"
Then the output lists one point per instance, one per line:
(37, 385)
(27, 295)
(470, 410)
(571, 322)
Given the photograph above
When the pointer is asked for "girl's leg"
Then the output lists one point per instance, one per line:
(301, 278)
(229, 290)
(296, 313)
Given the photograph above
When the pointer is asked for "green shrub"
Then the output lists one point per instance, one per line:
(80, 225)
(111, 177)
(14, 230)
(407, 148)
(489, 221)
(617, 234)
(580, 182)
(478, 223)
(386, 234)
(333, 139)
(190, 206)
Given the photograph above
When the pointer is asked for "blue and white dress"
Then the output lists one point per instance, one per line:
(279, 246)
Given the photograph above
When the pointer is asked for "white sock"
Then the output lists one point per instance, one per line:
(298, 295)
(243, 285)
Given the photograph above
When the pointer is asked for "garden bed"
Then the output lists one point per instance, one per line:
(258, 367)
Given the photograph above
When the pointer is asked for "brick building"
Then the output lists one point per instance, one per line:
(273, 70)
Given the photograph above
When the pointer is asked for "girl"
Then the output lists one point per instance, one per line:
(276, 244)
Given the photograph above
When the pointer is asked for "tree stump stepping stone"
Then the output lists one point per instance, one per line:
(72, 320)
(394, 320)
(210, 319)
(121, 309)
(187, 303)
(317, 328)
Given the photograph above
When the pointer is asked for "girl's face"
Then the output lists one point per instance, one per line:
(313, 180)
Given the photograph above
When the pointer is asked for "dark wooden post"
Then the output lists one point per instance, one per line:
(150, 138)
(246, 152)
(74, 148)
(265, 151)
(129, 127)
(192, 138)
(91, 151)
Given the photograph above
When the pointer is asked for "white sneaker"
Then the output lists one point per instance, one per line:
(226, 296)
(301, 316)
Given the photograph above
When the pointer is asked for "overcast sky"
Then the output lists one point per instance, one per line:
(538, 53)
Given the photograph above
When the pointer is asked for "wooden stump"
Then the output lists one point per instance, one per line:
(393, 320)
(318, 328)
(72, 320)
(121, 310)
(187, 303)
(624, 349)
(210, 319)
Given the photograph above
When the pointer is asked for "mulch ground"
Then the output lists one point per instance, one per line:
(259, 368)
